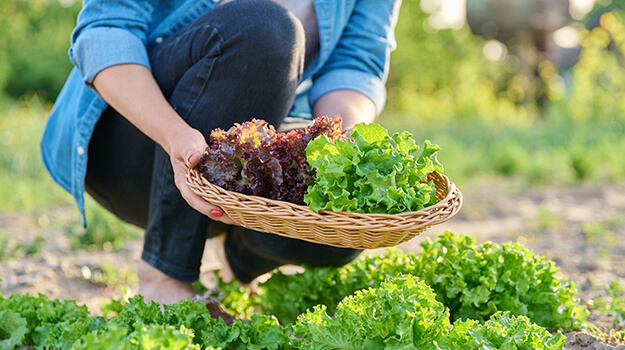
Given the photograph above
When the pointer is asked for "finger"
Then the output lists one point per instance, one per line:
(194, 154)
(200, 204)
(193, 158)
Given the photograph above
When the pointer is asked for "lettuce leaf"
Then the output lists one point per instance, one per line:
(153, 336)
(12, 330)
(475, 281)
(506, 331)
(252, 158)
(401, 314)
(328, 285)
(49, 323)
(260, 333)
(371, 172)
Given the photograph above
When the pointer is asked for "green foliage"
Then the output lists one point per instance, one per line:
(506, 331)
(49, 323)
(9, 249)
(328, 285)
(401, 314)
(153, 336)
(193, 320)
(261, 332)
(12, 329)
(614, 304)
(34, 41)
(553, 151)
(237, 298)
(442, 75)
(598, 78)
(546, 219)
(473, 281)
(442, 88)
(603, 234)
(371, 172)
(136, 311)
(26, 186)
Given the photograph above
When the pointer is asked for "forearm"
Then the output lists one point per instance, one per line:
(133, 92)
(353, 107)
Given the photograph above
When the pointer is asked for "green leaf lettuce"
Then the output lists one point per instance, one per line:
(371, 172)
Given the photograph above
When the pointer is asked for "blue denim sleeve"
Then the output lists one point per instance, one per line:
(361, 58)
(110, 33)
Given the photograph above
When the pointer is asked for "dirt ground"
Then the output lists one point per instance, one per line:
(580, 228)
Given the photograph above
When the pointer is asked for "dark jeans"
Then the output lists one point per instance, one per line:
(240, 61)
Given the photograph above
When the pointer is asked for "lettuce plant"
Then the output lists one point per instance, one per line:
(400, 313)
(403, 313)
(328, 285)
(41, 322)
(473, 281)
(12, 330)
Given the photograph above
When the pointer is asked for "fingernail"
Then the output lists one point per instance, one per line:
(189, 158)
(216, 213)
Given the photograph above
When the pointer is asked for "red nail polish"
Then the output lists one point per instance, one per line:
(216, 213)
(189, 158)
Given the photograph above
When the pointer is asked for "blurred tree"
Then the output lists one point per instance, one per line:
(526, 28)
(598, 78)
(443, 74)
(602, 6)
(33, 46)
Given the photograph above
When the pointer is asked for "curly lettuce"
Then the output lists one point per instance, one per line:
(371, 172)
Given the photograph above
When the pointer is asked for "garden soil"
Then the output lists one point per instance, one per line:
(581, 228)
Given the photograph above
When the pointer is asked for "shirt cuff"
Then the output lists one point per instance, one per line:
(102, 47)
(346, 79)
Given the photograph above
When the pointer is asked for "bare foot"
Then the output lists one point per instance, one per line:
(155, 285)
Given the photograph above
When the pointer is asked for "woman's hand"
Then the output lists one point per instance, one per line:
(186, 149)
(133, 92)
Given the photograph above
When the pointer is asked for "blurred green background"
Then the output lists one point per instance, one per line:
(495, 114)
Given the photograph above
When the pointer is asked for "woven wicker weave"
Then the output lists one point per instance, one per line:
(340, 229)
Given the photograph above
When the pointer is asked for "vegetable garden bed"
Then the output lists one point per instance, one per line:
(572, 240)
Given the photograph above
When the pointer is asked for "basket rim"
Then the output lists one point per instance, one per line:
(340, 229)
(452, 192)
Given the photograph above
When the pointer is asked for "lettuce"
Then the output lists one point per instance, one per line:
(506, 331)
(328, 285)
(252, 158)
(401, 314)
(473, 281)
(12, 329)
(48, 323)
(371, 172)
(154, 336)
(260, 333)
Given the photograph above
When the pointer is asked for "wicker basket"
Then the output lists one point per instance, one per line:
(340, 229)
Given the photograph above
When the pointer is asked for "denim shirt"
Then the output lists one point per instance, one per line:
(356, 38)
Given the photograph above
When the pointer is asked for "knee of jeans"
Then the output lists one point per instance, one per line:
(270, 33)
